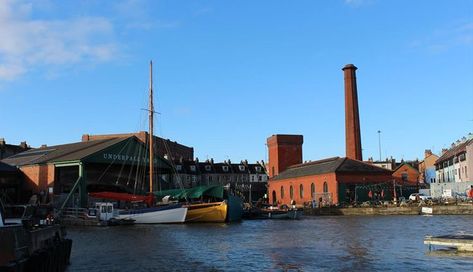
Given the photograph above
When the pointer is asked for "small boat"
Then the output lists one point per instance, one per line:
(271, 212)
(215, 212)
(283, 214)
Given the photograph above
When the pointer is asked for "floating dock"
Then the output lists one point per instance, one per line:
(460, 242)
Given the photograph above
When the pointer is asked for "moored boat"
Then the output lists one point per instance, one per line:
(215, 212)
(170, 213)
(207, 203)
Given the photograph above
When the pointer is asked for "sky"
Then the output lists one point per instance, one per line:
(229, 74)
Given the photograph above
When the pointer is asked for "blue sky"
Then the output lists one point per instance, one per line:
(229, 74)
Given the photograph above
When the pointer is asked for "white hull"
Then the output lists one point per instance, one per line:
(150, 216)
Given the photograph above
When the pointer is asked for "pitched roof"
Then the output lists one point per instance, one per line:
(66, 152)
(454, 151)
(408, 165)
(335, 164)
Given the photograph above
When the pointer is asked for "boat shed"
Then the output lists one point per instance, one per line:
(68, 172)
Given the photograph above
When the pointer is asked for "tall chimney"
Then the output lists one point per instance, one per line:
(352, 119)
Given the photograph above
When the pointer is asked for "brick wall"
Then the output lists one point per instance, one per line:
(38, 176)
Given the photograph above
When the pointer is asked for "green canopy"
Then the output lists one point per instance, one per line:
(196, 192)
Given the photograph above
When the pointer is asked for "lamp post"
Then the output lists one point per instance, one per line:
(379, 141)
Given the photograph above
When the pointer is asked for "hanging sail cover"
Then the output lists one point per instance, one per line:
(196, 192)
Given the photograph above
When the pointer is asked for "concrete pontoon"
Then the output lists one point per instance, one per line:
(462, 242)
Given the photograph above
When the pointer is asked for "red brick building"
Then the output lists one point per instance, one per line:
(332, 181)
(406, 173)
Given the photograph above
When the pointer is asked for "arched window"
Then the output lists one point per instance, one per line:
(325, 187)
(291, 192)
(312, 190)
(301, 191)
(274, 197)
(282, 192)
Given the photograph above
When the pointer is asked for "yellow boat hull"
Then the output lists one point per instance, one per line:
(207, 212)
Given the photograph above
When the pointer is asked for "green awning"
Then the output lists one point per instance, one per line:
(196, 192)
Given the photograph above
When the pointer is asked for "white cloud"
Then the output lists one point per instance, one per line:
(27, 43)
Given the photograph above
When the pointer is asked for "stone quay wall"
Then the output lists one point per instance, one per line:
(462, 209)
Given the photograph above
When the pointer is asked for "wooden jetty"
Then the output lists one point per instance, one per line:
(462, 242)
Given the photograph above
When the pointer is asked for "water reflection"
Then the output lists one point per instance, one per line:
(312, 244)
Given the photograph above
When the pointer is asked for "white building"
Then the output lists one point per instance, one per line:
(454, 169)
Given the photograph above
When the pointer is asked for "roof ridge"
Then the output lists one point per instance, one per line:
(313, 162)
(86, 147)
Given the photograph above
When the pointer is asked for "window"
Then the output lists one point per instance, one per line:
(225, 168)
(241, 167)
(193, 168)
(301, 191)
(272, 169)
(312, 190)
(260, 178)
(258, 168)
(208, 168)
(282, 192)
(291, 192)
(178, 167)
(325, 187)
(252, 178)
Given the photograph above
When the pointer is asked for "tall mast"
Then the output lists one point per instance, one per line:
(151, 111)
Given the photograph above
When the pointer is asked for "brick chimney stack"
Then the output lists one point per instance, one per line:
(352, 119)
(284, 151)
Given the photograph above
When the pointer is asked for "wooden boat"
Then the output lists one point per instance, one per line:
(215, 212)
(221, 207)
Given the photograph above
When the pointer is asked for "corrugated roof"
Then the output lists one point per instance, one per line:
(66, 152)
(330, 165)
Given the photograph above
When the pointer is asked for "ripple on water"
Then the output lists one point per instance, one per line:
(390, 243)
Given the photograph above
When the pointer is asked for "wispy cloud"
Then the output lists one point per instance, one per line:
(444, 39)
(356, 3)
(26, 43)
(136, 15)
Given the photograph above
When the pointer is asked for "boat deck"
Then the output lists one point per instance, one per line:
(463, 242)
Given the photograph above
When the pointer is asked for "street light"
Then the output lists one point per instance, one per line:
(379, 141)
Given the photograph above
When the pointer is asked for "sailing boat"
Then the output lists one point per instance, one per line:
(172, 213)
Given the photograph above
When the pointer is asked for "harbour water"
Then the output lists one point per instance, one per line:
(344, 243)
